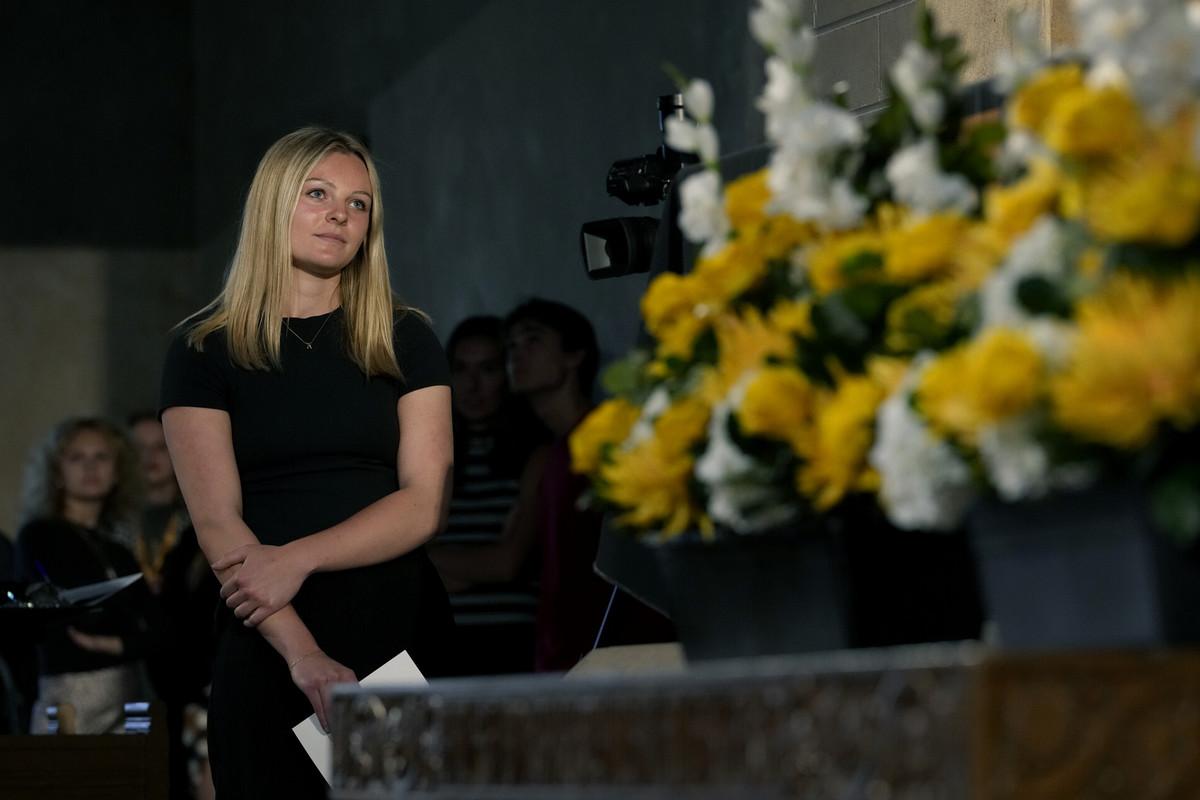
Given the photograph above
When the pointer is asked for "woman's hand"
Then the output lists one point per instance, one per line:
(266, 580)
(315, 674)
(97, 643)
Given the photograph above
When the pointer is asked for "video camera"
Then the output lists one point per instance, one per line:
(625, 245)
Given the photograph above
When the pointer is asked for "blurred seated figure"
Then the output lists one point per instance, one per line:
(10, 694)
(485, 552)
(8, 571)
(185, 594)
(79, 520)
(553, 358)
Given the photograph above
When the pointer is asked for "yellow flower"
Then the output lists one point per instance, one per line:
(836, 462)
(1152, 196)
(922, 317)
(678, 339)
(827, 258)
(1037, 98)
(738, 266)
(1135, 363)
(669, 308)
(668, 297)
(778, 405)
(982, 382)
(887, 371)
(1091, 262)
(651, 479)
(981, 249)
(780, 235)
(681, 425)
(923, 249)
(1088, 122)
(1012, 210)
(746, 200)
(608, 424)
(744, 342)
(792, 316)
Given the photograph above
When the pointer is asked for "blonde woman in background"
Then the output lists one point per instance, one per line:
(81, 501)
(308, 417)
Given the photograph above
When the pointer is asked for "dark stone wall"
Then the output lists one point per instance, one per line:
(96, 127)
(494, 150)
(268, 67)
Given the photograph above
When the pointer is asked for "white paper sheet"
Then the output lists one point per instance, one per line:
(94, 593)
(399, 671)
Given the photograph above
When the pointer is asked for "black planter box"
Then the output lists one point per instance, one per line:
(1084, 570)
(757, 595)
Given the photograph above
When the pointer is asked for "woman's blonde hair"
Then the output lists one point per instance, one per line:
(250, 306)
(43, 496)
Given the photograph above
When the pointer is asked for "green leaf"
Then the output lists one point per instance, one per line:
(676, 75)
(869, 301)
(624, 376)
(922, 328)
(705, 349)
(1152, 261)
(1175, 504)
(833, 319)
(862, 265)
(1040, 295)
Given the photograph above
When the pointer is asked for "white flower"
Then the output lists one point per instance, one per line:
(1154, 43)
(913, 72)
(658, 402)
(688, 137)
(775, 24)
(798, 184)
(1017, 465)
(845, 207)
(798, 266)
(918, 181)
(802, 188)
(739, 492)
(1015, 66)
(698, 100)
(1041, 252)
(1018, 151)
(924, 483)
(1052, 338)
(783, 99)
(702, 213)
(927, 109)
(1107, 72)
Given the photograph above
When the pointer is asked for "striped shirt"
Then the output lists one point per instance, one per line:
(479, 507)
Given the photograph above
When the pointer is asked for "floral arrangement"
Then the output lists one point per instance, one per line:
(927, 308)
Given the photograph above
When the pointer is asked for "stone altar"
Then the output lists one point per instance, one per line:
(928, 722)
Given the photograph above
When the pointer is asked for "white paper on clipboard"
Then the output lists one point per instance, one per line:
(96, 593)
(401, 670)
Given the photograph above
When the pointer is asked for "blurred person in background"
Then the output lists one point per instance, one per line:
(185, 596)
(79, 522)
(486, 552)
(553, 359)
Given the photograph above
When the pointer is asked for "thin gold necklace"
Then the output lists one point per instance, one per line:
(288, 323)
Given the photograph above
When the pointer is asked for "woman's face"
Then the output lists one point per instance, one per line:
(87, 468)
(331, 216)
(477, 377)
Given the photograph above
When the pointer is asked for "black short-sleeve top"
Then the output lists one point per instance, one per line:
(315, 441)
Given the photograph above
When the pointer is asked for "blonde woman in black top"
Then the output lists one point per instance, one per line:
(308, 417)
